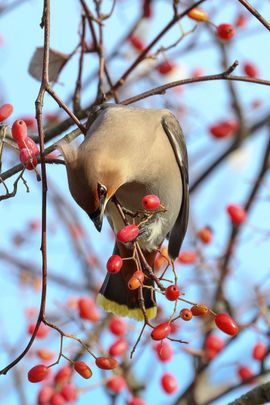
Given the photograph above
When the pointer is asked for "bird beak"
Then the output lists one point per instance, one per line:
(98, 215)
(97, 218)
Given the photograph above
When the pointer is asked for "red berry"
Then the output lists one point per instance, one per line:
(28, 159)
(147, 9)
(225, 32)
(205, 235)
(118, 326)
(150, 202)
(42, 332)
(63, 375)
(165, 67)
(19, 130)
(69, 392)
(5, 111)
(29, 144)
(106, 363)
(199, 309)
(128, 233)
(114, 264)
(172, 292)
(250, 70)
(198, 14)
(118, 347)
(186, 314)
(161, 331)
(259, 351)
(237, 213)
(245, 373)
(87, 309)
(187, 257)
(57, 399)
(137, 401)
(116, 383)
(45, 395)
(224, 129)
(214, 343)
(136, 42)
(37, 373)
(82, 368)
(169, 383)
(164, 351)
(225, 323)
(136, 280)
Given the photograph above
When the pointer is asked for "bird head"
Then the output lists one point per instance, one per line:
(93, 181)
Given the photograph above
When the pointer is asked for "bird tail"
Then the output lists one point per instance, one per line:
(116, 297)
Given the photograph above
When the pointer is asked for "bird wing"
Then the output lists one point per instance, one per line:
(177, 141)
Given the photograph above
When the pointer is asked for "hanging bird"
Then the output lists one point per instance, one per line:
(129, 153)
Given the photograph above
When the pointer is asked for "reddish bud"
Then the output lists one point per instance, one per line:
(172, 292)
(118, 347)
(259, 351)
(82, 368)
(187, 257)
(57, 399)
(37, 373)
(237, 213)
(250, 70)
(136, 280)
(116, 383)
(5, 111)
(69, 392)
(199, 309)
(137, 401)
(128, 233)
(106, 363)
(118, 326)
(186, 314)
(136, 42)
(19, 131)
(161, 331)
(63, 375)
(87, 309)
(114, 264)
(164, 351)
(150, 202)
(165, 67)
(245, 373)
(169, 383)
(241, 21)
(42, 332)
(225, 32)
(225, 323)
(45, 395)
(45, 354)
(214, 343)
(205, 235)
(30, 122)
(198, 14)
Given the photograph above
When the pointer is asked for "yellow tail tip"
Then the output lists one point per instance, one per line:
(123, 310)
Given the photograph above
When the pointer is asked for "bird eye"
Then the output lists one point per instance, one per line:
(102, 190)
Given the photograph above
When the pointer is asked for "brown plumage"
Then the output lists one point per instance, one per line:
(131, 152)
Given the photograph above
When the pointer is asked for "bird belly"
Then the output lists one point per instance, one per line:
(155, 230)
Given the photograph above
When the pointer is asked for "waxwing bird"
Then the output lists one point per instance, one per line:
(129, 153)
